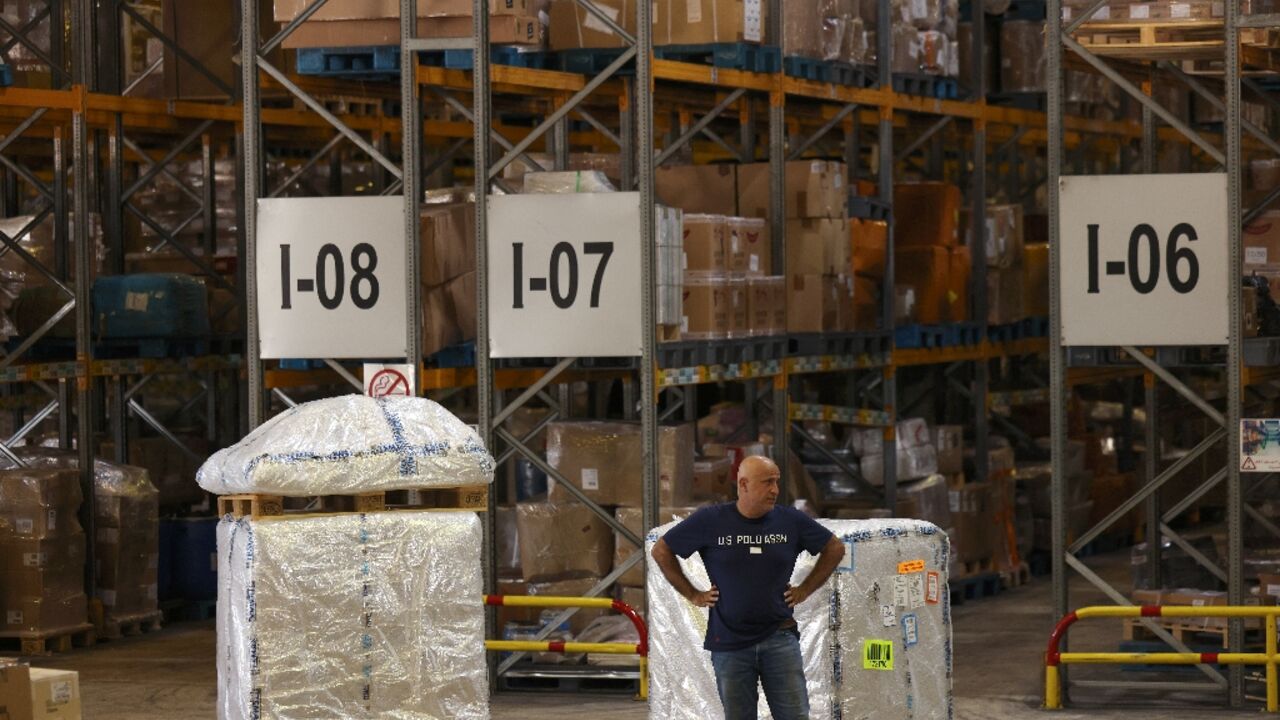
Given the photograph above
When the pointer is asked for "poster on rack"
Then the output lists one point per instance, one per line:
(1260, 445)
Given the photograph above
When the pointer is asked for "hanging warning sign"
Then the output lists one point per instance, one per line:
(1260, 445)
(389, 380)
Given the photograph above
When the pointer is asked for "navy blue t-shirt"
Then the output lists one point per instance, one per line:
(750, 561)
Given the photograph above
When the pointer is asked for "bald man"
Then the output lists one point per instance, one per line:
(749, 548)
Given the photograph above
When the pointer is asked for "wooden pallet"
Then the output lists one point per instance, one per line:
(1183, 632)
(474, 497)
(129, 625)
(974, 568)
(1174, 40)
(48, 642)
(1016, 577)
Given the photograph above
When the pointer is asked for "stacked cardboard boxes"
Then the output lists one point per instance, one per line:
(923, 35)
(42, 552)
(728, 292)
(127, 547)
(448, 275)
(824, 30)
(28, 693)
(675, 22)
(377, 22)
(928, 256)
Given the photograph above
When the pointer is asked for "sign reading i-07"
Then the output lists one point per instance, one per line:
(331, 277)
(1144, 259)
(564, 275)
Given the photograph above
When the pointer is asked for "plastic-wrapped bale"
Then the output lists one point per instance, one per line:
(876, 638)
(355, 615)
(351, 444)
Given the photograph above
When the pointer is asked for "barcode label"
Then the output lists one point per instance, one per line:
(915, 590)
(910, 630)
(62, 692)
(900, 598)
(877, 655)
(590, 479)
(25, 526)
(931, 588)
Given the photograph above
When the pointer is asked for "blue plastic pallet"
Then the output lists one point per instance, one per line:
(6, 76)
(735, 56)
(828, 71)
(937, 336)
(1034, 101)
(462, 355)
(1028, 328)
(868, 208)
(372, 62)
(464, 59)
(301, 364)
(587, 61)
(926, 86)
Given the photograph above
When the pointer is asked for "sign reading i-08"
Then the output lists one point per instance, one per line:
(564, 275)
(331, 277)
(1144, 259)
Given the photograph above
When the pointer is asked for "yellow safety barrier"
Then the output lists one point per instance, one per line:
(559, 646)
(1053, 659)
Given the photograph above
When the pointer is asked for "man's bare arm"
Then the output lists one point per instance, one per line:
(828, 560)
(666, 560)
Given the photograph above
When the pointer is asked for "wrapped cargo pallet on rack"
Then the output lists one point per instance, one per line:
(876, 638)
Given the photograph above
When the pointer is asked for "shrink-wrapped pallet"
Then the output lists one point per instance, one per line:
(353, 615)
(876, 638)
(351, 444)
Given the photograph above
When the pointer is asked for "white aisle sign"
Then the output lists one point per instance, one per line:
(564, 275)
(331, 279)
(389, 380)
(1144, 259)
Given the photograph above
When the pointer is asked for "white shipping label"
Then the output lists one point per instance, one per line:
(954, 497)
(35, 559)
(693, 11)
(1180, 10)
(1139, 12)
(1197, 602)
(61, 692)
(837, 181)
(25, 526)
(900, 593)
(915, 589)
(888, 615)
(816, 167)
(13, 617)
(1104, 13)
(754, 263)
(590, 479)
(1255, 256)
(1066, 13)
(752, 23)
(136, 301)
(591, 22)
(1273, 590)
(53, 520)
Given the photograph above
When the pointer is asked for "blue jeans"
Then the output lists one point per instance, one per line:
(776, 664)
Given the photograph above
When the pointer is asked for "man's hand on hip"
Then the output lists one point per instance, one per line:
(706, 598)
(795, 595)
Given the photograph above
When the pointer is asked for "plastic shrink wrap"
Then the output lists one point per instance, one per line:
(876, 638)
(348, 445)
(357, 615)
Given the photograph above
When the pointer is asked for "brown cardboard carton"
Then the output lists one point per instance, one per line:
(287, 10)
(28, 693)
(15, 691)
(801, 29)
(836, 259)
(448, 242)
(603, 460)
(1035, 280)
(760, 310)
(708, 309)
(632, 519)
(842, 296)
(739, 307)
(572, 27)
(808, 308)
(439, 325)
(866, 303)
(205, 31)
(706, 189)
(505, 30)
(747, 246)
(1147, 597)
(927, 268)
(37, 504)
(949, 440)
(1262, 240)
(1005, 296)
(38, 614)
(971, 539)
(870, 239)
(812, 189)
(958, 274)
(779, 285)
(934, 212)
(701, 22)
(704, 243)
(713, 479)
(806, 246)
(561, 541)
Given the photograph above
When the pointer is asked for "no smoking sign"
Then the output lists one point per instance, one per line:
(389, 380)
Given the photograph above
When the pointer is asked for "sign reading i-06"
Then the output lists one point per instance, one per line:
(331, 278)
(564, 275)
(1144, 259)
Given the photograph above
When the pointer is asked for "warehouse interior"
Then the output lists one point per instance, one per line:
(357, 353)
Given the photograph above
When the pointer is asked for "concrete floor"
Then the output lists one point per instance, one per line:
(998, 646)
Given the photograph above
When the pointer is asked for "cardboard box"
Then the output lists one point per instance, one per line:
(814, 189)
(840, 288)
(926, 268)
(836, 257)
(705, 189)
(561, 541)
(739, 307)
(503, 30)
(287, 10)
(632, 519)
(449, 313)
(603, 460)
(809, 304)
(806, 246)
(572, 27)
(748, 248)
(780, 291)
(933, 210)
(36, 614)
(961, 269)
(37, 504)
(28, 693)
(866, 303)
(206, 31)
(448, 242)
(701, 22)
(1262, 240)
(707, 306)
(949, 440)
(704, 243)
(802, 29)
(971, 539)
(1035, 280)
(870, 244)
(1005, 296)
(713, 479)
(761, 313)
